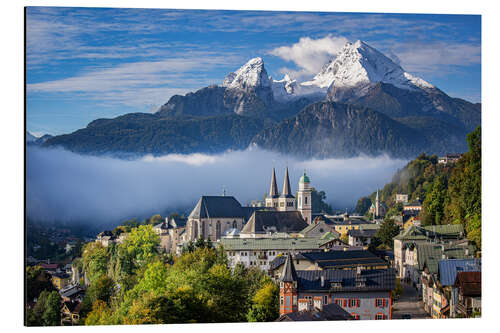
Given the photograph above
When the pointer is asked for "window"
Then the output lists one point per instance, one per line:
(379, 316)
(336, 284)
(305, 200)
(294, 300)
(281, 300)
(380, 302)
(325, 299)
(352, 302)
(341, 302)
(287, 300)
(355, 316)
(217, 230)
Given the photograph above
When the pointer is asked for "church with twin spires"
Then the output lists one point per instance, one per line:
(286, 201)
(214, 216)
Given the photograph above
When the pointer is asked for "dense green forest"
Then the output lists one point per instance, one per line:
(450, 193)
(133, 283)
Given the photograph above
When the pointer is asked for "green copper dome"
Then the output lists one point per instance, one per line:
(304, 178)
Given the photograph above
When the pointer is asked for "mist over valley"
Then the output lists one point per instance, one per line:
(103, 191)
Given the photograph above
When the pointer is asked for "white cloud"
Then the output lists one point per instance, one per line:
(139, 83)
(311, 54)
(437, 58)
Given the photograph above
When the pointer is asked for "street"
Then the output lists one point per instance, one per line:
(409, 303)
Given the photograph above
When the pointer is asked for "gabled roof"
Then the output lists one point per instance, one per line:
(329, 235)
(429, 254)
(449, 268)
(217, 206)
(318, 224)
(412, 233)
(288, 274)
(469, 283)
(163, 225)
(329, 312)
(178, 222)
(366, 233)
(263, 221)
(445, 231)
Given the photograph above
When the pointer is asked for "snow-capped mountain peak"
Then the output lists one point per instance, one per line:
(30, 137)
(358, 65)
(252, 74)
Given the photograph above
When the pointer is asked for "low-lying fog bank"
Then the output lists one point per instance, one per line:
(65, 186)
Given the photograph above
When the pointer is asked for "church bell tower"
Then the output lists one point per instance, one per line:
(304, 204)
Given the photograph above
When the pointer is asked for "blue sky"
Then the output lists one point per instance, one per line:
(88, 63)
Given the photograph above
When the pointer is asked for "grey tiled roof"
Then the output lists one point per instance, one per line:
(329, 312)
(429, 254)
(178, 222)
(263, 221)
(374, 280)
(334, 259)
(217, 206)
(367, 233)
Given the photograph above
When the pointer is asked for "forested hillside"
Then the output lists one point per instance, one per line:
(451, 193)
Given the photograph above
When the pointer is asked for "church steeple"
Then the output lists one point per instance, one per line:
(273, 191)
(289, 274)
(288, 287)
(286, 185)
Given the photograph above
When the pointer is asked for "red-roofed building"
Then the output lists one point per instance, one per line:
(468, 285)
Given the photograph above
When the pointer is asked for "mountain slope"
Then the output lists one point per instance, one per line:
(328, 129)
(396, 102)
(141, 133)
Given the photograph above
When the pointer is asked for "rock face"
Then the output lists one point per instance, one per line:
(247, 92)
(330, 129)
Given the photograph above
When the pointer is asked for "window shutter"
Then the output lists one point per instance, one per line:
(383, 303)
(375, 302)
(357, 303)
(345, 302)
(383, 316)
